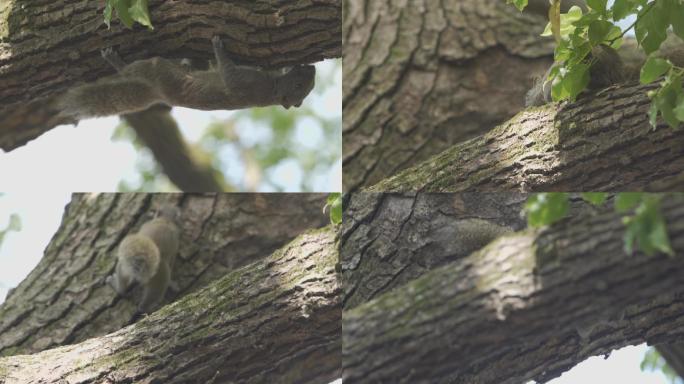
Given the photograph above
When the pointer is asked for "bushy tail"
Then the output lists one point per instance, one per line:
(106, 97)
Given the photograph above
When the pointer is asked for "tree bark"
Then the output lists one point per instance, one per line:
(422, 75)
(65, 299)
(528, 306)
(602, 142)
(387, 240)
(275, 320)
(48, 47)
(158, 130)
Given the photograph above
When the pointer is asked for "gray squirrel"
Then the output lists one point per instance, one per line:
(143, 83)
(609, 67)
(147, 258)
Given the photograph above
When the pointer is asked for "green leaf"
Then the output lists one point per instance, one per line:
(626, 201)
(108, 13)
(666, 99)
(622, 9)
(598, 31)
(520, 4)
(571, 83)
(334, 201)
(596, 198)
(598, 5)
(647, 228)
(140, 13)
(677, 19)
(567, 21)
(121, 7)
(651, 28)
(653, 69)
(546, 208)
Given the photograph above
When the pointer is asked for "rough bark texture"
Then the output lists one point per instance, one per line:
(158, 130)
(602, 142)
(388, 240)
(528, 306)
(421, 75)
(65, 298)
(46, 47)
(275, 320)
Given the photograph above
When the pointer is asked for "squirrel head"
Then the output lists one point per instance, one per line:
(295, 85)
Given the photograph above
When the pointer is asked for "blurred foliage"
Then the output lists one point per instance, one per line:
(128, 12)
(645, 225)
(13, 225)
(653, 361)
(334, 203)
(259, 145)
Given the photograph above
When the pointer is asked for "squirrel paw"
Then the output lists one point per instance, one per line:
(113, 58)
(217, 42)
(108, 52)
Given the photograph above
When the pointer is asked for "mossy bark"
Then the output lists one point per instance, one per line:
(48, 47)
(66, 300)
(274, 320)
(423, 75)
(602, 142)
(528, 306)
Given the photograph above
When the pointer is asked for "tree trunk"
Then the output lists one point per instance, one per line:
(275, 320)
(422, 75)
(602, 142)
(65, 298)
(528, 306)
(48, 47)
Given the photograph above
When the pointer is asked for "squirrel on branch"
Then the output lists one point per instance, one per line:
(143, 83)
(147, 258)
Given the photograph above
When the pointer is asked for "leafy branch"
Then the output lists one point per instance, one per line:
(578, 34)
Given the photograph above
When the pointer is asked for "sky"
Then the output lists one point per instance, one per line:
(84, 158)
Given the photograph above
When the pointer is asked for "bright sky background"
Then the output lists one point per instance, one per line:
(84, 158)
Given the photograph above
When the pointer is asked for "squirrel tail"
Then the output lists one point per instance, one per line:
(106, 97)
(139, 257)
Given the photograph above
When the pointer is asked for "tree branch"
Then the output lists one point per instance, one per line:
(528, 306)
(602, 142)
(276, 320)
(65, 299)
(47, 48)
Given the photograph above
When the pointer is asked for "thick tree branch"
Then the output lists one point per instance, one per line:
(602, 142)
(423, 75)
(49, 47)
(276, 320)
(157, 129)
(65, 298)
(528, 306)
(388, 240)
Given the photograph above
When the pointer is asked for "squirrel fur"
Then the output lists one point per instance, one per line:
(148, 257)
(609, 67)
(143, 83)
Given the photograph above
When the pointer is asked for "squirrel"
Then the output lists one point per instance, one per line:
(143, 83)
(147, 258)
(609, 67)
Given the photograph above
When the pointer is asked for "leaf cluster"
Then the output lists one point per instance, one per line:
(645, 226)
(128, 11)
(578, 33)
